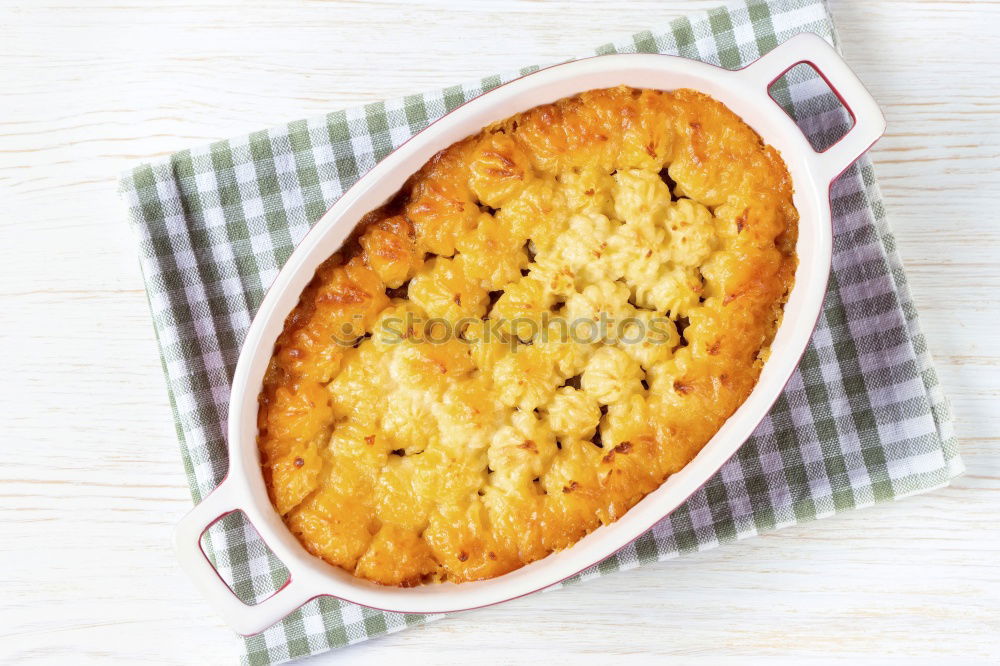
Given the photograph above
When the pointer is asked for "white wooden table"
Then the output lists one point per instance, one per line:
(91, 475)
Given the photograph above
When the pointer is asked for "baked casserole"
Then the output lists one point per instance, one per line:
(548, 320)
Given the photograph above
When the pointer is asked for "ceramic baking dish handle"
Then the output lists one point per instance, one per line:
(245, 619)
(811, 49)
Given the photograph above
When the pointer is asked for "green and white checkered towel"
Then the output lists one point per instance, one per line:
(863, 420)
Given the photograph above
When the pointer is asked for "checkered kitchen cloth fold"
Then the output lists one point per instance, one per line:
(863, 420)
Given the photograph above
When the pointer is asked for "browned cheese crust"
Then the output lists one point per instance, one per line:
(426, 418)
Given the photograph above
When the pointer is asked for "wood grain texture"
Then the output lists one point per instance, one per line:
(91, 476)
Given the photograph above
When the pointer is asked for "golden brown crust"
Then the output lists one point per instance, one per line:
(425, 418)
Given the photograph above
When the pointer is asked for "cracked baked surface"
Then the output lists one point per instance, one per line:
(430, 413)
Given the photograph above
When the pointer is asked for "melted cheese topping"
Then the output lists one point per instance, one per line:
(425, 417)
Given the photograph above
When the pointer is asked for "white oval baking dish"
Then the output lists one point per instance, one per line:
(743, 91)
